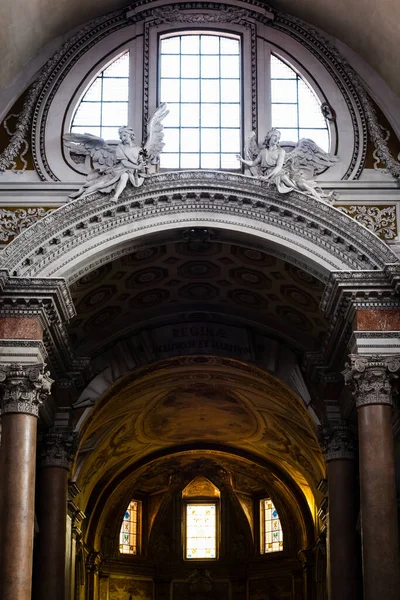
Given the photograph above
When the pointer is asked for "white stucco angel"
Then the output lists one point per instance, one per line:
(292, 170)
(115, 165)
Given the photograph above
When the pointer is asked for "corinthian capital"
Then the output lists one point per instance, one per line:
(24, 388)
(371, 378)
(57, 447)
(337, 442)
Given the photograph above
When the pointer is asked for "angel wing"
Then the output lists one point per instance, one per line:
(251, 151)
(309, 156)
(155, 134)
(101, 153)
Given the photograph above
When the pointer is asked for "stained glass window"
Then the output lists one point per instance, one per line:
(128, 537)
(200, 81)
(271, 528)
(296, 110)
(104, 106)
(201, 539)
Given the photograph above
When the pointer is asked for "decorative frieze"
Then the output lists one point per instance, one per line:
(57, 447)
(15, 220)
(371, 377)
(381, 220)
(24, 388)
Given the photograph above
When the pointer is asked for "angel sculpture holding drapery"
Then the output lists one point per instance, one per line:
(289, 171)
(115, 165)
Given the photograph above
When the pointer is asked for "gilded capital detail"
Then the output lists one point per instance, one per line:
(24, 388)
(337, 442)
(57, 447)
(371, 378)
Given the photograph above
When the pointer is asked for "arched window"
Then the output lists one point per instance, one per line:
(200, 81)
(271, 537)
(295, 109)
(104, 106)
(201, 516)
(130, 529)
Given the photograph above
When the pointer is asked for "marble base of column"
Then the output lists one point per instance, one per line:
(342, 539)
(380, 544)
(18, 493)
(52, 517)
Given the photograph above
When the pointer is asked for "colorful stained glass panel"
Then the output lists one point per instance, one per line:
(272, 535)
(129, 530)
(201, 531)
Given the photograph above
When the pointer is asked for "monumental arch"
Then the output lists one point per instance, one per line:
(198, 374)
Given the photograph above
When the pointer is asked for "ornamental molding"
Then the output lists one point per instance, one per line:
(42, 92)
(381, 220)
(57, 447)
(24, 388)
(15, 220)
(337, 442)
(371, 378)
(79, 230)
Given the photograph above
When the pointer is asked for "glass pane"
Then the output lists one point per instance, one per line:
(210, 161)
(169, 161)
(190, 44)
(170, 66)
(209, 90)
(172, 119)
(210, 141)
(230, 115)
(210, 66)
(88, 113)
(319, 136)
(230, 140)
(279, 70)
(190, 90)
(189, 140)
(229, 161)
(230, 66)
(201, 531)
(283, 91)
(87, 129)
(118, 68)
(209, 44)
(170, 45)
(230, 90)
(272, 535)
(115, 113)
(210, 115)
(110, 133)
(229, 46)
(171, 140)
(190, 66)
(190, 161)
(170, 90)
(309, 108)
(128, 532)
(115, 89)
(284, 115)
(190, 115)
(289, 135)
(94, 92)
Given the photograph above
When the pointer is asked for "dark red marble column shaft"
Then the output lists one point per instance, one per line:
(342, 539)
(17, 491)
(52, 516)
(380, 544)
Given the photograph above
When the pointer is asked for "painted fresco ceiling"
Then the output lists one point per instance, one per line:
(158, 282)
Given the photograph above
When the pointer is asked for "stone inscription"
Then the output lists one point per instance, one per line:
(200, 338)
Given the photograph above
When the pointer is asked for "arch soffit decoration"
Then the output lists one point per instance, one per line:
(87, 232)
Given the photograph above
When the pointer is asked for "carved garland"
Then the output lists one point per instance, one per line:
(57, 67)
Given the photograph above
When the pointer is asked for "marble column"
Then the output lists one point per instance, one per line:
(343, 509)
(56, 450)
(24, 388)
(371, 378)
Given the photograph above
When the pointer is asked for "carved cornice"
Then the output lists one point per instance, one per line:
(24, 388)
(371, 378)
(57, 447)
(337, 442)
(94, 561)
